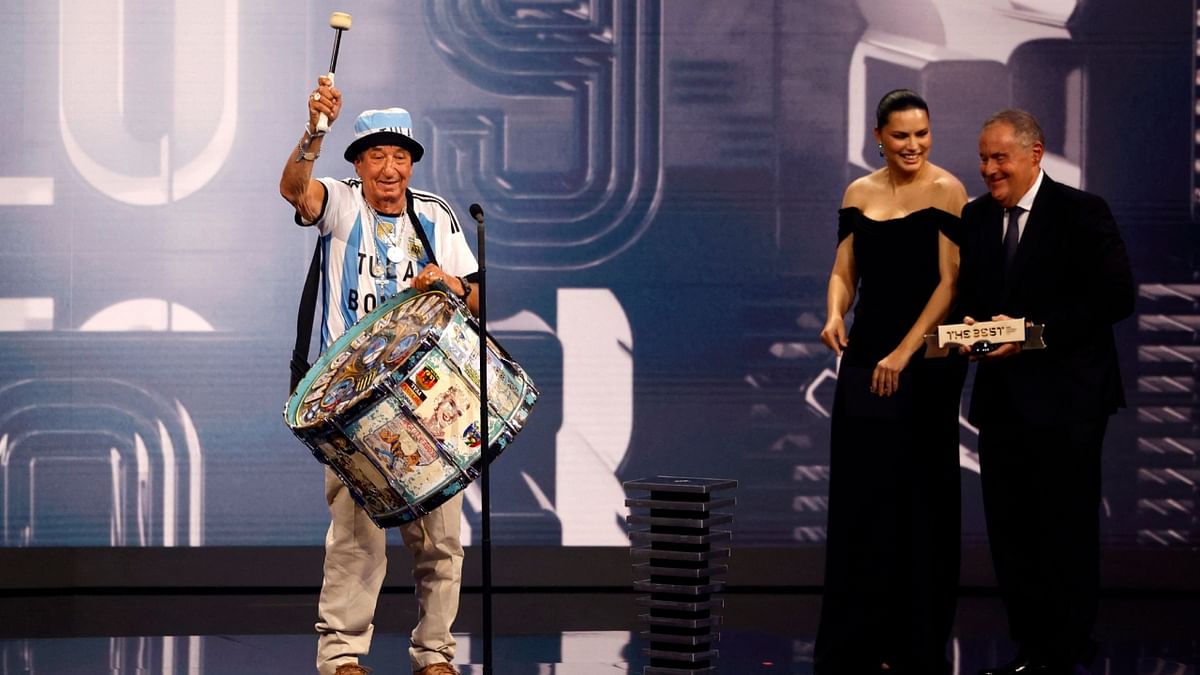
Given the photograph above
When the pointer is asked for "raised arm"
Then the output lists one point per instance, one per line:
(296, 184)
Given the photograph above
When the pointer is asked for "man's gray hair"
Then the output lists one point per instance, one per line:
(1025, 126)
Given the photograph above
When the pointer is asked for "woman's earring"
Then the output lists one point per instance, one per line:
(880, 149)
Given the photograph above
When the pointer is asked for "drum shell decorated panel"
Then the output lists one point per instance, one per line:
(408, 439)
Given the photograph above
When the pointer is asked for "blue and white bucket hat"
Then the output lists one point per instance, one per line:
(390, 126)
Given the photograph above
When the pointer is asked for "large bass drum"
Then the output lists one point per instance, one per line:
(393, 405)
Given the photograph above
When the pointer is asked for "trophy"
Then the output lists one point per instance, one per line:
(984, 336)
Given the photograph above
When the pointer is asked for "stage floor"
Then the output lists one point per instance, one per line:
(559, 633)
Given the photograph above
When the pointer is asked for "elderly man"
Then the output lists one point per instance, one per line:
(1039, 250)
(377, 238)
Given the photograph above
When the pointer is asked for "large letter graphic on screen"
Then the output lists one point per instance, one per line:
(94, 115)
(585, 77)
(98, 461)
(597, 345)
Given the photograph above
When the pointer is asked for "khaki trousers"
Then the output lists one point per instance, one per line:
(355, 564)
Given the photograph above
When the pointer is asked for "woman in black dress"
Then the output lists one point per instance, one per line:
(892, 552)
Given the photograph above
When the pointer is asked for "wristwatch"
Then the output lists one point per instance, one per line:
(466, 289)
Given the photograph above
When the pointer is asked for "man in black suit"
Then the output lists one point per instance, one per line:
(1050, 254)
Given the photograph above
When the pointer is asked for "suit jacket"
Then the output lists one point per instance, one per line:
(1071, 272)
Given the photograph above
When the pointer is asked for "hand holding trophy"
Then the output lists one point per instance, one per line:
(977, 338)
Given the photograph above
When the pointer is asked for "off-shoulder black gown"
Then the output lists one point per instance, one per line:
(892, 553)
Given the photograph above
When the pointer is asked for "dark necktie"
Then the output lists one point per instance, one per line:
(1012, 236)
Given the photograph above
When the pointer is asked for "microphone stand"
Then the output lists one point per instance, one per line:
(484, 487)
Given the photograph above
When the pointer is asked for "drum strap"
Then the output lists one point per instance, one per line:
(416, 223)
(304, 319)
(308, 300)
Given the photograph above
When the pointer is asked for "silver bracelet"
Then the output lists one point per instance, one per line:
(309, 136)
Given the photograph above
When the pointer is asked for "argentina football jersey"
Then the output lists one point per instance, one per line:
(376, 256)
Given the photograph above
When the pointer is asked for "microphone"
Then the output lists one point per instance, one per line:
(477, 213)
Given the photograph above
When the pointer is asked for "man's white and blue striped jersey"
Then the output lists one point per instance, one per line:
(357, 274)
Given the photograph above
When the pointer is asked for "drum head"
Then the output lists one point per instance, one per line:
(354, 365)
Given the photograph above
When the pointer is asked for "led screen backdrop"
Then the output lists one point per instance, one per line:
(661, 180)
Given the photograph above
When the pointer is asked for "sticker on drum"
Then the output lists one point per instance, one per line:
(338, 394)
(372, 492)
(447, 415)
(400, 451)
(461, 343)
(414, 396)
(504, 391)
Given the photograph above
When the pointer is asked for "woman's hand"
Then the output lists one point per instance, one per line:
(833, 335)
(885, 381)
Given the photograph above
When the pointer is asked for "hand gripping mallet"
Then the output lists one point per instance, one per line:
(338, 21)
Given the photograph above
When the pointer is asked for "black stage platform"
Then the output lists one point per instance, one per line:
(572, 632)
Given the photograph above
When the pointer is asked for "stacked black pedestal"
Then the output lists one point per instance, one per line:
(681, 564)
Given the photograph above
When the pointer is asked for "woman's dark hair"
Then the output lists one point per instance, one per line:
(895, 101)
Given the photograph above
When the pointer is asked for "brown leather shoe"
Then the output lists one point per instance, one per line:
(352, 669)
(438, 669)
